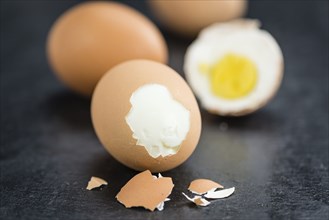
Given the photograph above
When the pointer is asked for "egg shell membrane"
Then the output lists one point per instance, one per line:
(201, 202)
(90, 38)
(145, 190)
(201, 186)
(198, 200)
(110, 106)
(220, 194)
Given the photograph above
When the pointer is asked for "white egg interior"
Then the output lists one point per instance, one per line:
(241, 38)
(157, 120)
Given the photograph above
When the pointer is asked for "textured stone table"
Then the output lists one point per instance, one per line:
(276, 158)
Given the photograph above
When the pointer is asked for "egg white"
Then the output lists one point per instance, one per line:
(241, 37)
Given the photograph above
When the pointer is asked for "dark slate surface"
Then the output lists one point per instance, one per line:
(276, 158)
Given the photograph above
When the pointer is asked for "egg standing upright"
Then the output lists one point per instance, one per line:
(146, 115)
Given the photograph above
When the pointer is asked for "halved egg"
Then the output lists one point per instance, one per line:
(234, 68)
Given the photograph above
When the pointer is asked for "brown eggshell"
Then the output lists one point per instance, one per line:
(111, 104)
(201, 186)
(89, 39)
(188, 17)
(95, 182)
(145, 190)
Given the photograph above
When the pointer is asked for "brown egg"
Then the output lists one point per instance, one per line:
(146, 116)
(190, 16)
(89, 39)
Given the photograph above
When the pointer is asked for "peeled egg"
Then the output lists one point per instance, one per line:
(188, 17)
(90, 38)
(234, 68)
(146, 115)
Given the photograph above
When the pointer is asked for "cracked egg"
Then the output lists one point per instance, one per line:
(234, 68)
(146, 116)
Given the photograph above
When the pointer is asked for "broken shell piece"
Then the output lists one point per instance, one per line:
(201, 201)
(160, 207)
(146, 191)
(95, 182)
(202, 186)
(220, 194)
(198, 200)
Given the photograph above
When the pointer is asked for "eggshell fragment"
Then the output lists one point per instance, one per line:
(95, 182)
(219, 194)
(160, 207)
(198, 200)
(145, 190)
(202, 186)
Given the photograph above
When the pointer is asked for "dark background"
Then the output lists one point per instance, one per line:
(277, 158)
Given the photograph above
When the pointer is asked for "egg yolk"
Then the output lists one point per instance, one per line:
(232, 77)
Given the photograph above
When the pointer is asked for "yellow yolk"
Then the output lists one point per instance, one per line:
(232, 77)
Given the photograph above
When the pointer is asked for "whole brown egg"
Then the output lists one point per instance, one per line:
(188, 17)
(90, 38)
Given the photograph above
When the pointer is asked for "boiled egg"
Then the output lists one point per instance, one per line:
(92, 37)
(146, 115)
(188, 17)
(234, 68)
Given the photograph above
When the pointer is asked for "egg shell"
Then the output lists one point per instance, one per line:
(201, 186)
(90, 38)
(110, 106)
(145, 190)
(189, 17)
(95, 182)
